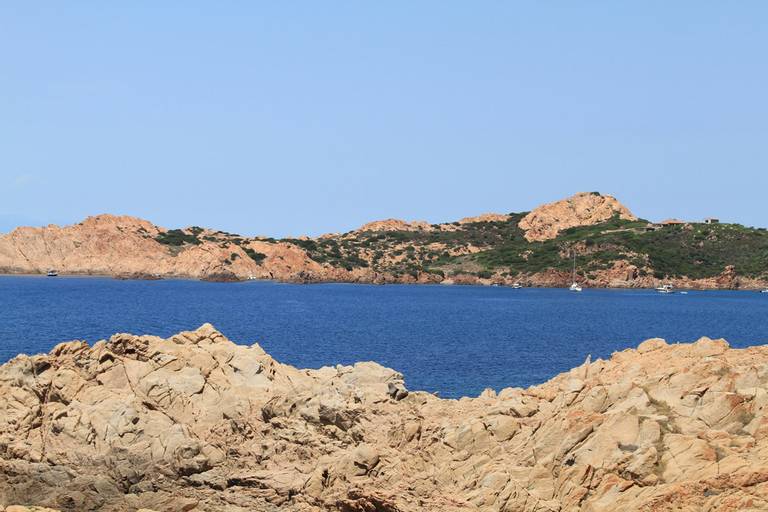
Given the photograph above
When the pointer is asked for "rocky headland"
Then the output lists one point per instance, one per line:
(613, 247)
(197, 423)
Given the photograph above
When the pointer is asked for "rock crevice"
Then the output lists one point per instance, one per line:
(196, 422)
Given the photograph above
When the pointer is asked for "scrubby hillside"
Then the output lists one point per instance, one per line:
(613, 248)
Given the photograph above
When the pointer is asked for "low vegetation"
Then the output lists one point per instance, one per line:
(487, 249)
(258, 257)
(178, 237)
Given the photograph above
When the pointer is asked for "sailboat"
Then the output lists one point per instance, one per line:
(575, 287)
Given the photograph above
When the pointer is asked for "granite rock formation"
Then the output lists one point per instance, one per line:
(583, 209)
(614, 249)
(127, 246)
(197, 423)
(396, 225)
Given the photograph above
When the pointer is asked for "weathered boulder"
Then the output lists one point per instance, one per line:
(196, 422)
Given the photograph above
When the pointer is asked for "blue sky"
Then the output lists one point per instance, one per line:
(285, 118)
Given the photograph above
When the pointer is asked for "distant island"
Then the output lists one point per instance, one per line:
(612, 248)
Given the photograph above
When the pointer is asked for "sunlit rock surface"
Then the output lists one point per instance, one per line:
(196, 422)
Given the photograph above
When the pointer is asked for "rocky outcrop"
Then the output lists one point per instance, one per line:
(20, 508)
(486, 217)
(195, 422)
(583, 209)
(395, 225)
(128, 247)
(486, 249)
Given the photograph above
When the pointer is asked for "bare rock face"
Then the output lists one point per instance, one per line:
(396, 225)
(486, 217)
(196, 422)
(128, 247)
(583, 209)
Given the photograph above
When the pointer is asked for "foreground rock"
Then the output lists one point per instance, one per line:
(196, 422)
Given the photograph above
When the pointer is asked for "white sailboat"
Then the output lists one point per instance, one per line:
(575, 287)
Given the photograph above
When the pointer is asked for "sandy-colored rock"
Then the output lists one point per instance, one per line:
(485, 217)
(651, 345)
(583, 209)
(196, 422)
(378, 252)
(20, 508)
(396, 225)
(129, 248)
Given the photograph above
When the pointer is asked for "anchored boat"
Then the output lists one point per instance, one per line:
(575, 287)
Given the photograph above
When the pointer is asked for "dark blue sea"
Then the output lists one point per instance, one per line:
(456, 340)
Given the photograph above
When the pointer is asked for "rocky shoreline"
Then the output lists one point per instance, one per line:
(546, 280)
(196, 422)
(614, 249)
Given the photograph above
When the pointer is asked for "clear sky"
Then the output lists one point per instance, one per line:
(286, 118)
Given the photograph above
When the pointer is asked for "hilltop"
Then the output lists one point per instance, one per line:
(196, 422)
(614, 248)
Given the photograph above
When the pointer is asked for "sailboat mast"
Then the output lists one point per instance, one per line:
(574, 266)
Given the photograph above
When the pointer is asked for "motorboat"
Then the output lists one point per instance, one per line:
(666, 288)
(516, 286)
(52, 273)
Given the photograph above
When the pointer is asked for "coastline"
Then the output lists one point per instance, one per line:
(588, 234)
(758, 286)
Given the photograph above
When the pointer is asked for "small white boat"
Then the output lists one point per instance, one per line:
(764, 291)
(52, 273)
(575, 287)
(666, 288)
(516, 286)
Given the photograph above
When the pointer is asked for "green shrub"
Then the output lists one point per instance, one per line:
(258, 257)
(177, 237)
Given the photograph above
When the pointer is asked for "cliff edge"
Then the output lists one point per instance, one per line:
(196, 422)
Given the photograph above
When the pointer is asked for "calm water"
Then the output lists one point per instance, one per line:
(456, 340)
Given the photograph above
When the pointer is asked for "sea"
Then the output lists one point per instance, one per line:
(452, 340)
